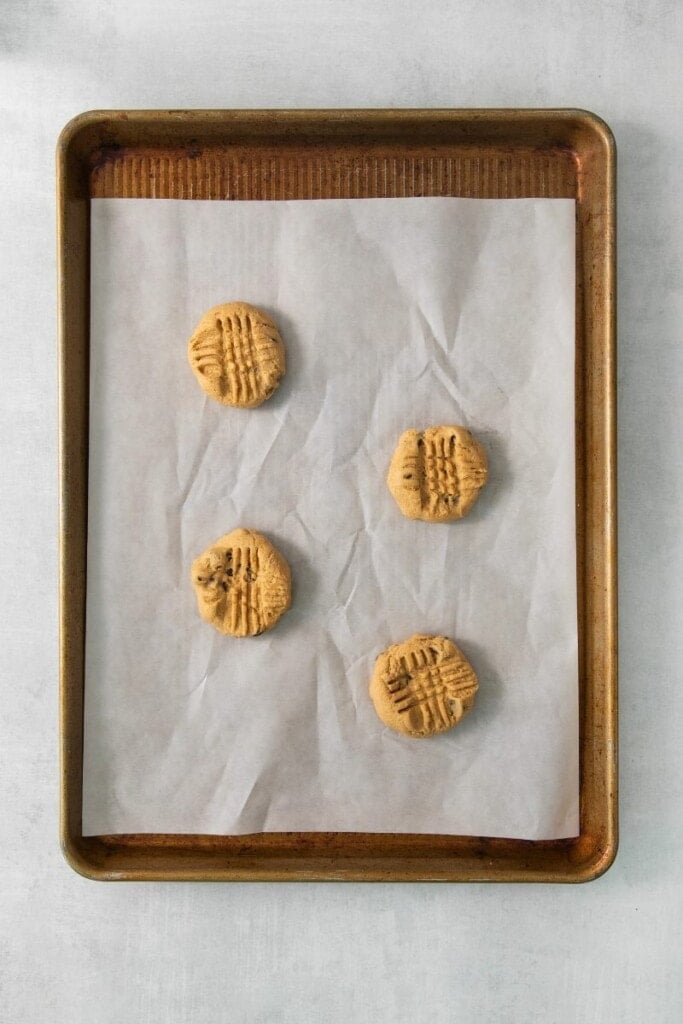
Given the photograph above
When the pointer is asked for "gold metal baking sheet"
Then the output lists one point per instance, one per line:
(319, 154)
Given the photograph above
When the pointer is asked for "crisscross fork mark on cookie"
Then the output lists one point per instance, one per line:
(427, 686)
(438, 470)
(239, 357)
(244, 595)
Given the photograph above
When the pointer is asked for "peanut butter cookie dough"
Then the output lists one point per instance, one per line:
(423, 686)
(242, 583)
(436, 474)
(237, 355)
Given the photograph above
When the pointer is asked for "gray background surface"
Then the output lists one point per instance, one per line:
(73, 950)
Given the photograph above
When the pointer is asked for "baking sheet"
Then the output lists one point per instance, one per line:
(395, 313)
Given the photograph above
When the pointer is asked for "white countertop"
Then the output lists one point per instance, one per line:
(73, 950)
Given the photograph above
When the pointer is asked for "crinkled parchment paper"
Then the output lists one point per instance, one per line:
(395, 313)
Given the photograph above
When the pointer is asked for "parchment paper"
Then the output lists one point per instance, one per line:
(395, 313)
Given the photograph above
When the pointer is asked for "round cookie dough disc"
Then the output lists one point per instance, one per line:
(436, 474)
(242, 583)
(236, 354)
(423, 686)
